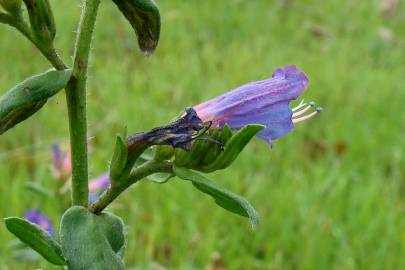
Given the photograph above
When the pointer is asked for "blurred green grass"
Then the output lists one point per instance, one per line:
(330, 195)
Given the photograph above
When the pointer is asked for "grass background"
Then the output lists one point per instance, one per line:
(330, 195)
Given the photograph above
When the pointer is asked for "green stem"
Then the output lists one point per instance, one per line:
(47, 50)
(137, 174)
(76, 102)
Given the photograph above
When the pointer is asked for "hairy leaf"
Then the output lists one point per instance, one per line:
(92, 242)
(224, 198)
(26, 98)
(35, 237)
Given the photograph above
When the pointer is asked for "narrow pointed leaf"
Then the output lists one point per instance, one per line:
(26, 98)
(36, 238)
(233, 147)
(92, 242)
(119, 159)
(226, 133)
(144, 17)
(224, 198)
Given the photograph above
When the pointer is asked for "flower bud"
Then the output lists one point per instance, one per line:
(41, 20)
(11, 6)
(203, 151)
(163, 152)
(144, 17)
(211, 155)
(217, 150)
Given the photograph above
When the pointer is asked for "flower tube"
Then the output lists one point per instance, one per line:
(263, 102)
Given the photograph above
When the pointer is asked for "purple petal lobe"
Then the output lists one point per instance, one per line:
(35, 216)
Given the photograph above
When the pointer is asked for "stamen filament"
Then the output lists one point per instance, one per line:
(301, 105)
(298, 113)
(308, 116)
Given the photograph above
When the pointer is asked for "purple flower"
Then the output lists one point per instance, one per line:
(101, 182)
(263, 102)
(98, 185)
(35, 216)
(62, 165)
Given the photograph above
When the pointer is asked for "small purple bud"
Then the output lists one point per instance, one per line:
(35, 216)
(57, 156)
(62, 164)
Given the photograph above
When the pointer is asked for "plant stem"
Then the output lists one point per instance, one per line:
(76, 102)
(48, 51)
(137, 174)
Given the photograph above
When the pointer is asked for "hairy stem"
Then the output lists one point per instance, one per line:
(137, 174)
(76, 102)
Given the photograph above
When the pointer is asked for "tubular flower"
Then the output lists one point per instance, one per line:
(36, 217)
(263, 102)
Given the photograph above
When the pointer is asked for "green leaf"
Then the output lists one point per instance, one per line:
(160, 178)
(35, 237)
(233, 147)
(113, 228)
(23, 100)
(92, 242)
(119, 159)
(226, 133)
(144, 17)
(224, 198)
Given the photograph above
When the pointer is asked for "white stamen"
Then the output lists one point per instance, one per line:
(301, 105)
(308, 116)
(302, 111)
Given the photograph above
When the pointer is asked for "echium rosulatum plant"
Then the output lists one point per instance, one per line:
(203, 139)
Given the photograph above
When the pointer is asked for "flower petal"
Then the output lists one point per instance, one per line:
(263, 102)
